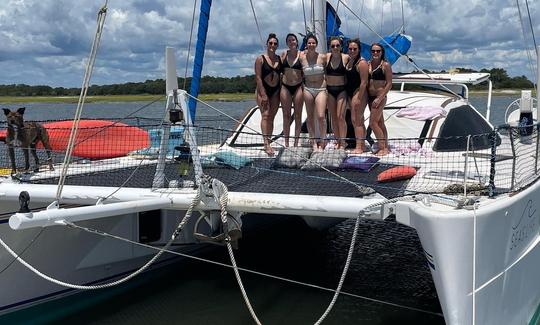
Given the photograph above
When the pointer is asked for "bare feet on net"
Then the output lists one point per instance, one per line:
(269, 151)
(358, 151)
(382, 152)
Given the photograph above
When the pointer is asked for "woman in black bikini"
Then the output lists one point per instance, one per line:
(291, 89)
(357, 80)
(267, 76)
(380, 82)
(335, 84)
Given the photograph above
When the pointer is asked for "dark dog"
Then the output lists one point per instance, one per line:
(25, 135)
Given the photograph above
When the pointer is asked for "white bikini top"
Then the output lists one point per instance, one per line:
(312, 70)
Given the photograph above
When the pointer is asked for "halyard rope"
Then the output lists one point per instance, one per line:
(102, 14)
(196, 200)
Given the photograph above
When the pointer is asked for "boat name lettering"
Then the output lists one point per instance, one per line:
(526, 226)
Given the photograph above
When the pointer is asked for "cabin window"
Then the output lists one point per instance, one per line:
(149, 226)
(461, 122)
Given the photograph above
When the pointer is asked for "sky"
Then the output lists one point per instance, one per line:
(47, 42)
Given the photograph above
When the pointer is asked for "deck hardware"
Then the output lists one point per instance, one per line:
(24, 198)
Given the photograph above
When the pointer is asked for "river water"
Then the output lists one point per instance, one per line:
(388, 277)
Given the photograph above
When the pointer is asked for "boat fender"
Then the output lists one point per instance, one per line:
(398, 173)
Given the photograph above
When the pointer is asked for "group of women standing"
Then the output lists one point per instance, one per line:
(324, 81)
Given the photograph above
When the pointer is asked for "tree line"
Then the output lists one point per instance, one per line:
(211, 85)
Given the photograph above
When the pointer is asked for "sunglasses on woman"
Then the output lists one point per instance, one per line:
(335, 46)
(375, 51)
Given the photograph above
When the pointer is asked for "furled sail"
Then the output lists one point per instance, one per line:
(199, 55)
(400, 42)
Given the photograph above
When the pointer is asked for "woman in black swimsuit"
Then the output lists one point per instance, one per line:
(267, 76)
(291, 89)
(357, 80)
(380, 83)
(335, 84)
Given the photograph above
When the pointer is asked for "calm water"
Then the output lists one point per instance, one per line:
(387, 266)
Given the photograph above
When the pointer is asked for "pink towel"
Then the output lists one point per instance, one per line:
(421, 113)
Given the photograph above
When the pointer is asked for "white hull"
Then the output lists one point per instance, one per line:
(507, 257)
(73, 256)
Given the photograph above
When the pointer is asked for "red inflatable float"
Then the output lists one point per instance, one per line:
(96, 139)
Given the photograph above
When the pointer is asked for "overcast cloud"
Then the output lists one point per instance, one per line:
(47, 41)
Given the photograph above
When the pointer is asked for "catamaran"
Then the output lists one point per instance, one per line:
(126, 195)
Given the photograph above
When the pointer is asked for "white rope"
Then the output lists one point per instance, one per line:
(196, 200)
(102, 14)
(343, 273)
(223, 200)
(200, 259)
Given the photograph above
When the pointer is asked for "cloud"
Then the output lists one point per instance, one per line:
(47, 41)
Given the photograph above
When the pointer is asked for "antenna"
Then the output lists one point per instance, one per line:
(170, 66)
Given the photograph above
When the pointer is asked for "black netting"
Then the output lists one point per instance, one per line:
(125, 153)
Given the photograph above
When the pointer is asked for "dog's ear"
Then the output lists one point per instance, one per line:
(6, 111)
(21, 110)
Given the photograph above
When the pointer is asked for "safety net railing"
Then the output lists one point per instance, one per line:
(126, 154)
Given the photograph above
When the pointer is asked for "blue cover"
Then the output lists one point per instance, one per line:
(360, 163)
(401, 42)
(231, 159)
(199, 56)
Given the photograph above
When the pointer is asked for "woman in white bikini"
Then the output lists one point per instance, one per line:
(267, 76)
(292, 91)
(315, 95)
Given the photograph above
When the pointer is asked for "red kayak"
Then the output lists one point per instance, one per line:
(96, 139)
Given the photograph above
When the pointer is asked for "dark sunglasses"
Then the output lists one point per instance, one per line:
(376, 51)
(335, 46)
(353, 49)
(272, 43)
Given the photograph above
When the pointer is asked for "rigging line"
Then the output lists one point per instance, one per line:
(392, 14)
(257, 24)
(335, 20)
(102, 14)
(402, 18)
(305, 18)
(189, 44)
(275, 277)
(531, 24)
(396, 51)
(530, 63)
(24, 250)
(382, 16)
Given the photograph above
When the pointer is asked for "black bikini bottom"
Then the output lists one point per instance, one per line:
(335, 90)
(292, 89)
(270, 91)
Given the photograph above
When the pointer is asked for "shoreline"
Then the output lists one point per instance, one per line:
(225, 97)
(229, 97)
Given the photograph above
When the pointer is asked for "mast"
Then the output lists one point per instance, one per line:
(199, 55)
(319, 24)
